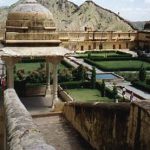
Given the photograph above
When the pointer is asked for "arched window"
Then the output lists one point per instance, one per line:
(101, 46)
(119, 46)
(89, 47)
(114, 46)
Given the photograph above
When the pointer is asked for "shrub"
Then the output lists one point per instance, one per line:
(75, 84)
(142, 74)
(103, 88)
(80, 73)
(93, 78)
(66, 64)
(141, 85)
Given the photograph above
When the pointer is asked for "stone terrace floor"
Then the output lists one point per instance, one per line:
(60, 134)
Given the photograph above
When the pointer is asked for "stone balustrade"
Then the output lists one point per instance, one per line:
(121, 126)
(21, 132)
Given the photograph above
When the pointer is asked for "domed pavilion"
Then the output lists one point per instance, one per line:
(31, 33)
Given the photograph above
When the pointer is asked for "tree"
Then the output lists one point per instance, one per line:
(80, 73)
(65, 75)
(93, 78)
(89, 55)
(103, 88)
(115, 92)
(142, 73)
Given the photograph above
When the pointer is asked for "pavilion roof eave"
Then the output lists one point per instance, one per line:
(34, 52)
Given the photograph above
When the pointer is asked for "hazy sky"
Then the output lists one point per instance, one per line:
(134, 10)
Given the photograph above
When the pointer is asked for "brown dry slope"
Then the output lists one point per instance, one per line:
(69, 16)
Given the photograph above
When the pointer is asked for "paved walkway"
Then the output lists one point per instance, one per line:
(37, 105)
(60, 134)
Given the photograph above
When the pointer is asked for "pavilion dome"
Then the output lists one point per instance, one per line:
(29, 14)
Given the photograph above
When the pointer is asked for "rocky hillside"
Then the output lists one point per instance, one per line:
(139, 24)
(69, 16)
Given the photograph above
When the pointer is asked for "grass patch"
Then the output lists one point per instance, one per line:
(116, 65)
(27, 66)
(87, 95)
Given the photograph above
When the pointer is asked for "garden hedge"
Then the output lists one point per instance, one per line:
(91, 62)
(141, 85)
(66, 64)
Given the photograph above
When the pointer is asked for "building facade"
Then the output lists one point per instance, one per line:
(95, 40)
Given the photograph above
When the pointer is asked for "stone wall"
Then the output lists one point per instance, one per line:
(104, 126)
(22, 133)
(63, 94)
(112, 126)
(139, 126)
(1, 128)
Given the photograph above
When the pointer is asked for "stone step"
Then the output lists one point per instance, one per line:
(60, 134)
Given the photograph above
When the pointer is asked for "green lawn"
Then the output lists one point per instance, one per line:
(33, 66)
(104, 54)
(123, 64)
(27, 66)
(87, 95)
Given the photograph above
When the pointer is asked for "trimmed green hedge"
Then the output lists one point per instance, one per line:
(66, 64)
(113, 58)
(75, 84)
(91, 62)
(141, 85)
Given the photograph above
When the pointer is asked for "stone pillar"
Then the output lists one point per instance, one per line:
(48, 90)
(10, 62)
(55, 82)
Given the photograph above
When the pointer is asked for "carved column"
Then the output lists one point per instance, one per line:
(55, 63)
(10, 63)
(48, 90)
(55, 82)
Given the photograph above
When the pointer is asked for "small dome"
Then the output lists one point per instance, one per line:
(30, 14)
(147, 26)
(29, 9)
(30, 21)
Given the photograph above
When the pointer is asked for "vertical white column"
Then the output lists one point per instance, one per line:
(55, 83)
(10, 73)
(48, 91)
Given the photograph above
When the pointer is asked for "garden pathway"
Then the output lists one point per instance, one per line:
(60, 134)
(37, 105)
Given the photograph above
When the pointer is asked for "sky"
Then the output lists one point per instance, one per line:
(133, 10)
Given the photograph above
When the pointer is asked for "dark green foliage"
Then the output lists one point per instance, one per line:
(80, 73)
(103, 88)
(89, 55)
(115, 92)
(93, 78)
(66, 64)
(141, 85)
(148, 81)
(42, 65)
(142, 74)
(93, 63)
(75, 84)
(65, 75)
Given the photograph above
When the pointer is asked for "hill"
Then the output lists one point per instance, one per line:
(68, 16)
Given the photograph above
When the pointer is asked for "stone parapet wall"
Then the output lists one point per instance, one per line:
(104, 126)
(22, 133)
(112, 126)
(64, 95)
(139, 126)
